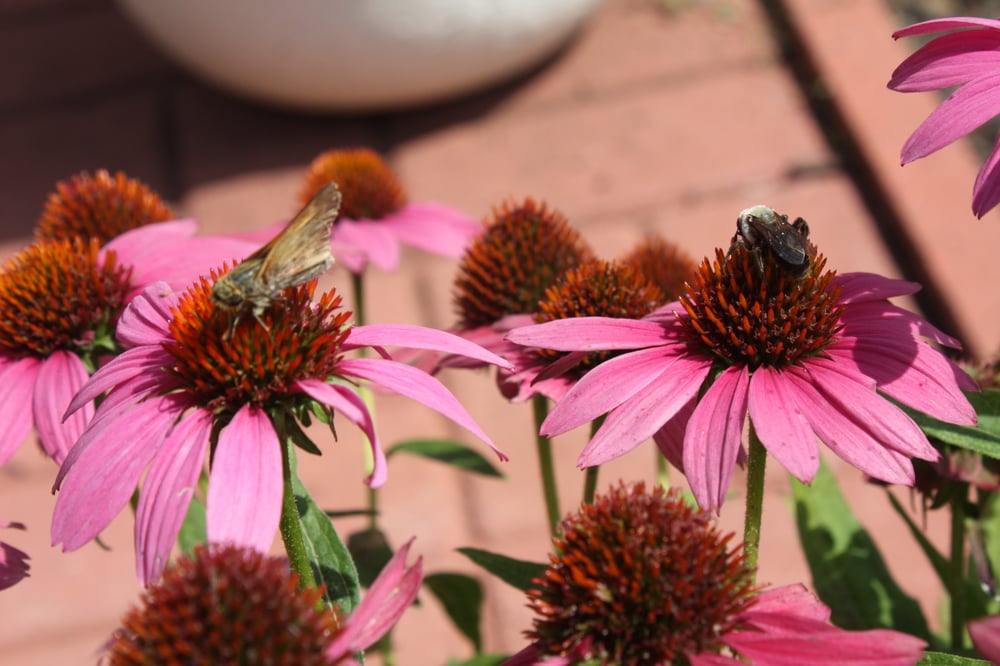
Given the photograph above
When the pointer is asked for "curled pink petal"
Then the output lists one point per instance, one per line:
(943, 24)
(420, 337)
(61, 375)
(145, 320)
(986, 190)
(245, 485)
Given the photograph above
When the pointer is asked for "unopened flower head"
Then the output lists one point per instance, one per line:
(639, 577)
(226, 604)
(193, 377)
(642, 577)
(99, 206)
(376, 217)
(523, 249)
(663, 263)
(797, 348)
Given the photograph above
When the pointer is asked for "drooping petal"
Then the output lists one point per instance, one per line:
(781, 426)
(642, 416)
(103, 469)
(419, 337)
(859, 286)
(59, 378)
(985, 634)
(137, 365)
(986, 191)
(379, 245)
(821, 643)
(792, 599)
(139, 243)
(943, 24)
(844, 436)
(344, 400)
(670, 438)
(714, 436)
(614, 382)
(880, 318)
(855, 397)
(591, 334)
(919, 377)
(145, 320)
(245, 483)
(965, 109)
(433, 228)
(416, 385)
(17, 382)
(181, 265)
(390, 595)
(948, 61)
(167, 491)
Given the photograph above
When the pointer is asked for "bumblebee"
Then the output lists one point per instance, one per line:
(761, 229)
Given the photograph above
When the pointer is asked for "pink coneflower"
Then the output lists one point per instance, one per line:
(805, 357)
(231, 605)
(375, 216)
(968, 59)
(13, 562)
(644, 578)
(189, 378)
(59, 304)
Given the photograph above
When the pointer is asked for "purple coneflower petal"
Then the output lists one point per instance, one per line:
(860, 286)
(353, 408)
(628, 374)
(96, 487)
(670, 438)
(880, 318)
(420, 337)
(943, 24)
(138, 366)
(986, 191)
(145, 320)
(794, 598)
(389, 596)
(379, 245)
(985, 634)
(245, 486)
(965, 110)
(640, 418)
(590, 334)
(855, 395)
(781, 425)
(59, 378)
(167, 491)
(947, 61)
(918, 376)
(416, 385)
(17, 381)
(844, 436)
(714, 436)
(433, 228)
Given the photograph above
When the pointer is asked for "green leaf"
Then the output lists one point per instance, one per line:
(449, 452)
(329, 558)
(193, 532)
(517, 573)
(984, 438)
(848, 572)
(943, 659)
(462, 599)
(481, 660)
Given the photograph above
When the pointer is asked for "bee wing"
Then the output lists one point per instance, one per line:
(302, 250)
(784, 240)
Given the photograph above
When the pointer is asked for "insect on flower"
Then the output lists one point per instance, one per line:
(761, 228)
(298, 254)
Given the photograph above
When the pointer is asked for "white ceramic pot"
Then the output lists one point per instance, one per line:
(356, 55)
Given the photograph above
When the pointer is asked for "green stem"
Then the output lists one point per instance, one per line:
(540, 405)
(756, 465)
(358, 285)
(590, 475)
(957, 564)
(291, 530)
(662, 472)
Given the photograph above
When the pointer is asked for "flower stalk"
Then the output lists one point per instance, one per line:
(543, 445)
(756, 467)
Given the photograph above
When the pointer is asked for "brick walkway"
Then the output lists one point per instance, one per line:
(647, 122)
